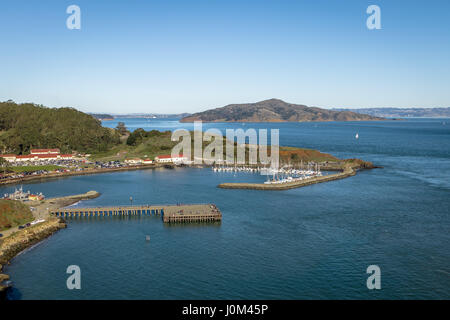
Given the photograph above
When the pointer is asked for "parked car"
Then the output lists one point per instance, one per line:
(21, 227)
(1, 235)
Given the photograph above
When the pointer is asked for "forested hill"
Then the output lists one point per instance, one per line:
(274, 110)
(26, 126)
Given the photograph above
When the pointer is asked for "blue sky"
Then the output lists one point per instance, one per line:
(187, 56)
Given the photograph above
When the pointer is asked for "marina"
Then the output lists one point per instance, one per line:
(285, 174)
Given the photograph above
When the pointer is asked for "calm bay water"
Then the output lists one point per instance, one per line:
(312, 242)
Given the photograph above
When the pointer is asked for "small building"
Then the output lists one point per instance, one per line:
(147, 161)
(65, 156)
(133, 161)
(8, 157)
(35, 197)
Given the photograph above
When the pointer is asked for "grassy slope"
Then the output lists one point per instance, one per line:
(294, 155)
(154, 146)
(13, 213)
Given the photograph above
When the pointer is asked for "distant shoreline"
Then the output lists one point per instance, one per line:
(285, 121)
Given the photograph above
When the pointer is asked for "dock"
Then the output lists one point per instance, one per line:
(192, 213)
(182, 213)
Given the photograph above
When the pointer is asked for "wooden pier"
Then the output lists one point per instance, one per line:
(169, 213)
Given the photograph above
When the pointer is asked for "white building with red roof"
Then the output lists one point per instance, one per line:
(8, 157)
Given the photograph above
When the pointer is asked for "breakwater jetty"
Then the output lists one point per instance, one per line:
(347, 172)
(170, 213)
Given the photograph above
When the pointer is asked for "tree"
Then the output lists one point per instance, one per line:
(121, 128)
(3, 165)
(136, 137)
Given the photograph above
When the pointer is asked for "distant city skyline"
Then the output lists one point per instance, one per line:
(186, 57)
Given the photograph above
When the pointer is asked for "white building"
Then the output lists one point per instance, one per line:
(133, 161)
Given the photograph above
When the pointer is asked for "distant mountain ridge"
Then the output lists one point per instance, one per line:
(274, 110)
(403, 112)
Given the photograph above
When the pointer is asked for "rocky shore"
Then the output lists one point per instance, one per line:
(19, 241)
(15, 240)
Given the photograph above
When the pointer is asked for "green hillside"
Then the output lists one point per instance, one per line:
(26, 126)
